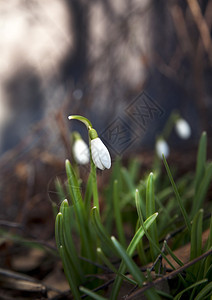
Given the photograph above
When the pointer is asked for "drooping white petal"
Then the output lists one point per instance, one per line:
(81, 152)
(100, 154)
(183, 129)
(98, 163)
(162, 148)
(105, 158)
(95, 154)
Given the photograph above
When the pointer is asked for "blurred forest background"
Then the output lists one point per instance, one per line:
(62, 57)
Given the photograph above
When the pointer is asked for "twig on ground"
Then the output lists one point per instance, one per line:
(170, 275)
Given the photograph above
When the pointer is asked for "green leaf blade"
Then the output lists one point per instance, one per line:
(117, 213)
(150, 210)
(179, 200)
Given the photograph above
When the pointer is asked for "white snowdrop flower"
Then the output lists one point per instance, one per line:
(80, 152)
(183, 129)
(162, 148)
(99, 152)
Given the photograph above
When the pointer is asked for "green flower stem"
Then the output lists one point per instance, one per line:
(88, 194)
(94, 183)
(169, 125)
(81, 119)
(91, 132)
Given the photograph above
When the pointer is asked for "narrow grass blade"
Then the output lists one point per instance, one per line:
(208, 261)
(209, 241)
(60, 190)
(178, 296)
(179, 200)
(201, 161)
(105, 260)
(117, 214)
(79, 209)
(130, 250)
(60, 241)
(178, 261)
(74, 190)
(129, 196)
(164, 295)
(169, 125)
(137, 201)
(67, 265)
(165, 193)
(91, 294)
(58, 233)
(150, 210)
(196, 240)
(134, 167)
(60, 193)
(130, 264)
(133, 268)
(150, 196)
(205, 293)
(163, 209)
(202, 190)
(69, 243)
(108, 211)
(69, 275)
(73, 184)
(128, 180)
(111, 267)
(140, 249)
(139, 234)
(196, 235)
(116, 169)
(101, 232)
(62, 206)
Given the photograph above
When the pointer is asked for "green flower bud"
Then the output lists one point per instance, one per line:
(92, 134)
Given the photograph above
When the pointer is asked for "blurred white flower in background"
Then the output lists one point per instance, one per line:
(80, 152)
(183, 129)
(162, 148)
(100, 154)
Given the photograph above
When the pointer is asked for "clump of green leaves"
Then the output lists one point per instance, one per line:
(160, 216)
